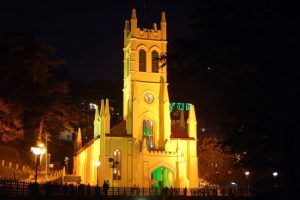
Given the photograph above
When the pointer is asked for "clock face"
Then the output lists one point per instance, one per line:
(149, 98)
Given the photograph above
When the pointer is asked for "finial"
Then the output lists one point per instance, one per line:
(163, 17)
(155, 27)
(133, 14)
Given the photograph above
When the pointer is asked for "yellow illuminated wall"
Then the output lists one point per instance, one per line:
(149, 156)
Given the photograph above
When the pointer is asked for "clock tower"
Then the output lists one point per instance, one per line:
(143, 153)
(145, 92)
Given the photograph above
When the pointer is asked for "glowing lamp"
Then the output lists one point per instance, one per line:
(97, 163)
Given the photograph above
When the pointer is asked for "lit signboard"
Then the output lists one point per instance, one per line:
(179, 106)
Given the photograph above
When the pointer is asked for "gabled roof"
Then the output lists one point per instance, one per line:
(118, 130)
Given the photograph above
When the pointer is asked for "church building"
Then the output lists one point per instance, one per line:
(147, 149)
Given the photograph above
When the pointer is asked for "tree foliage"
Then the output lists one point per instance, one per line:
(216, 162)
(29, 77)
(11, 124)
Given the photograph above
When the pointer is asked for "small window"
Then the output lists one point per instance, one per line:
(148, 133)
(117, 165)
(154, 61)
(142, 60)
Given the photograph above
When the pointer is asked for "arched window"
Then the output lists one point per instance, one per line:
(117, 165)
(154, 61)
(148, 133)
(142, 60)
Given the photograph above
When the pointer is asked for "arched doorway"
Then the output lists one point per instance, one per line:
(161, 177)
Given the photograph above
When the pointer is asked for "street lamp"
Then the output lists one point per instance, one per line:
(247, 173)
(235, 184)
(275, 174)
(97, 164)
(38, 151)
(113, 166)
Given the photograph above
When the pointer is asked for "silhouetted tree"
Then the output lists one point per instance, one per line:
(28, 76)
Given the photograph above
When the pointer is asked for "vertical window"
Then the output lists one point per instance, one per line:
(148, 133)
(142, 60)
(117, 165)
(154, 61)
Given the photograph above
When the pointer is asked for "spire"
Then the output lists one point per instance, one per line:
(107, 117)
(78, 142)
(192, 123)
(102, 108)
(163, 17)
(96, 118)
(107, 107)
(96, 123)
(192, 115)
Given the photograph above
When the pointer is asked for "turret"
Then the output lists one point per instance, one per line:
(163, 26)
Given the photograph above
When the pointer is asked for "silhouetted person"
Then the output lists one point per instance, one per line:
(65, 189)
(171, 191)
(105, 188)
(81, 189)
(88, 190)
(71, 190)
(97, 191)
(184, 191)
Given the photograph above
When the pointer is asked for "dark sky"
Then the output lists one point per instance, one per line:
(89, 36)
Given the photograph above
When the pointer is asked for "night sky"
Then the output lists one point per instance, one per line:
(89, 36)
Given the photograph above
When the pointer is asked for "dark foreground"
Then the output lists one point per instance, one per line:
(26, 191)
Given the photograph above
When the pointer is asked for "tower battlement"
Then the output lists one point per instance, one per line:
(131, 29)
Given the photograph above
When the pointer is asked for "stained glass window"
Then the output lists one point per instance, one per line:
(148, 133)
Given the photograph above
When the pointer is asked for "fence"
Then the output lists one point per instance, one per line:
(14, 170)
(11, 188)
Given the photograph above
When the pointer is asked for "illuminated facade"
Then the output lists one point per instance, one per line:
(147, 149)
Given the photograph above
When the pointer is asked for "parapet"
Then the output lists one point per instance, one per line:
(133, 31)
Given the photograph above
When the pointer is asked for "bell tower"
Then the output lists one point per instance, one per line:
(145, 92)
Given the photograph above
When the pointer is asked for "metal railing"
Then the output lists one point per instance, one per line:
(12, 188)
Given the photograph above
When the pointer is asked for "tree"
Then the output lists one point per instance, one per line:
(29, 74)
(216, 163)
(11, 124)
